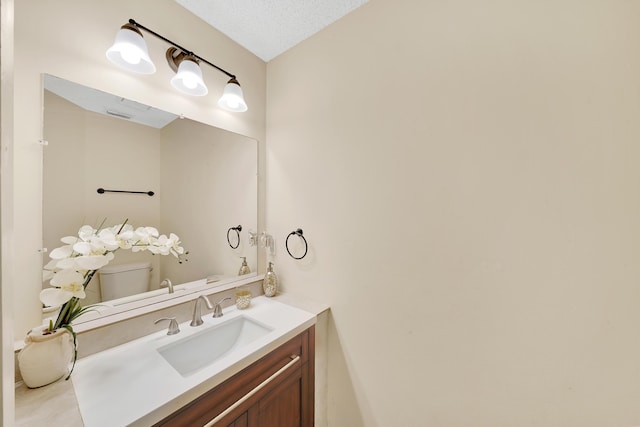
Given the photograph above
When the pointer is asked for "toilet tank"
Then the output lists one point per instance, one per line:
(117, 281)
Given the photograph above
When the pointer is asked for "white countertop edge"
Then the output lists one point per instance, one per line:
(303, 303)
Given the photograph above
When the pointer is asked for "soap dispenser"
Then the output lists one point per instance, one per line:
(270, 282)
(244, 268)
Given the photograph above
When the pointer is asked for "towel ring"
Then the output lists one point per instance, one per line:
(237, 229)
(298, 233)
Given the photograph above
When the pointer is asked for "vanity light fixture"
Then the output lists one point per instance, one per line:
(188, 78)
(129, 51)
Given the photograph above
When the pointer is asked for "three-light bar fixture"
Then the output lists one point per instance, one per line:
(129, 51)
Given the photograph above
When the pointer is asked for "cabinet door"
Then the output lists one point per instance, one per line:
(282, 407)
(241, 421)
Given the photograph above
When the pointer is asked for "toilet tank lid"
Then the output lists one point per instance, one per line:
(110, 269)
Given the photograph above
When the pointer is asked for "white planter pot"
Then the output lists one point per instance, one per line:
(46, 357)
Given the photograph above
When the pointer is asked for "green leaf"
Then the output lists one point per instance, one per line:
(75, 349)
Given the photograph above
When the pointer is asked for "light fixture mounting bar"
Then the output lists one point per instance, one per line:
(142, 27)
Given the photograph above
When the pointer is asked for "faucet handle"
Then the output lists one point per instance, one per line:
(173, 325)
(217, 310)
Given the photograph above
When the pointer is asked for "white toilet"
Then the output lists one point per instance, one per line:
(117, 281)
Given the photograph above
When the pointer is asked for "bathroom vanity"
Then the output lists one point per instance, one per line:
(262, 376)
(277, 391)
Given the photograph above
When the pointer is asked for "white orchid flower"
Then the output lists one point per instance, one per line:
(47, 275)
(86, 232)
(163, 245)
(93, 262)
(51, 265)
(68, 278)
(68, 284)
(176, 249)
(126, 236)
(89, 248)
(151, 248)
(167, 245)
(74, 263)
(67, 264)
(93, 255)
(62, 252)
(69, 240)
(53, 297)
(67, 251)
(126, 239)
(146, 235)
(108, 239)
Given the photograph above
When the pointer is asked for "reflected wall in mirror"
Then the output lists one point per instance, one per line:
(204, 181)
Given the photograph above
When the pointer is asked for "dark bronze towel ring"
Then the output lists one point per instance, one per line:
(237, 229)
(298, 233)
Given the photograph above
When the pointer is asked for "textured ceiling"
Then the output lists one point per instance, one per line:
(269, 27)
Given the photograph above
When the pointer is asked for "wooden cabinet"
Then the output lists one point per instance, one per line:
(275, 391)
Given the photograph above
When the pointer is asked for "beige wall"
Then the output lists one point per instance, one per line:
(68, 39)
(466, 174)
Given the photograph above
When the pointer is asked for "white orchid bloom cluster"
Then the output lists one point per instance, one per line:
(72, 266)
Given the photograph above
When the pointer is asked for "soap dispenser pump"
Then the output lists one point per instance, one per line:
(244, 268)
(270, 282)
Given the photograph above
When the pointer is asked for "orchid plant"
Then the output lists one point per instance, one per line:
(73, 265)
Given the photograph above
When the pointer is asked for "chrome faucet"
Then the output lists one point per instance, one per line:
(197, 316)
(166, 283)
(173, 325)
(217, 310)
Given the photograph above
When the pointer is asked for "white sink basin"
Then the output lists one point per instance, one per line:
(194, 352)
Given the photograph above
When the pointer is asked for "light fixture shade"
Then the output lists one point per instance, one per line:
(129, 51)
(188, 79)
(232, 98)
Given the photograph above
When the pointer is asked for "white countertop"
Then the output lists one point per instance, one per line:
(132, 384)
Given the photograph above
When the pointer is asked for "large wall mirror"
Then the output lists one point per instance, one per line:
(204, 182)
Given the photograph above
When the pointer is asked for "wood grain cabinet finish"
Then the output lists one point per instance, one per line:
(275, 391)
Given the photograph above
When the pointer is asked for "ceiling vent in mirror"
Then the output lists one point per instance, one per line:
(119, 114)
(106, 103)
